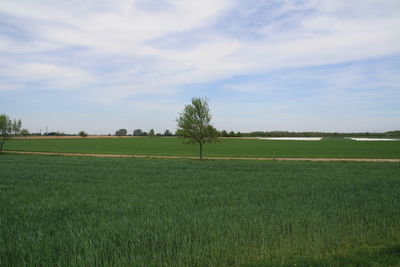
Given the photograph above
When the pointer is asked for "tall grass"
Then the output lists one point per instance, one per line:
(63, 211)
(329, 148)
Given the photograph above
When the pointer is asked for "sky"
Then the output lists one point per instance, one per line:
(289, 65)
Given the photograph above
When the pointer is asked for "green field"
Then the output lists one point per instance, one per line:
(327, 148)
(63, 211)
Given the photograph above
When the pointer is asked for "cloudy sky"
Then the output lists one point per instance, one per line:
(328, 65)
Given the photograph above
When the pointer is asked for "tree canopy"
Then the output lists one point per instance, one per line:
(82, 134)
(25, 132)
(121, 132)
(194, 124)
(151, 133)
(167, 133)
(137, 132)
(8, 127)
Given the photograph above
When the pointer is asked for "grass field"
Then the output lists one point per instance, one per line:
(327, 148)
(63, 211)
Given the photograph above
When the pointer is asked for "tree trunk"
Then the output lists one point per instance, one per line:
(201, 151)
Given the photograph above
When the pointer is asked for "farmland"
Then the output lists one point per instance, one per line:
(62, 211)
(327, 148)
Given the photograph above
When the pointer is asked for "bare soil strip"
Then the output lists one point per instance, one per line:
(186, 157)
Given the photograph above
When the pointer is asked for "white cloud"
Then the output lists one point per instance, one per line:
(121, 38)
(9, 86)
(54, 77)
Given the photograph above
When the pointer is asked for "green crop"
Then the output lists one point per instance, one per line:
(327, 148)
(63, 211)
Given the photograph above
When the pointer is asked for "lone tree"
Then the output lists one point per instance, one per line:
(194, 124)
(82, 134)
(7, 127)
(151, 133)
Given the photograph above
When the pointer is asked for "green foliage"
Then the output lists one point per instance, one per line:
(194, 124)
(7, 127)
(167, 133)
(151, 133)
(16, 126)
(121, 132)
(137, 132)
(25, 132)
(82, 134)
(327, 148)
(393, 133)
(223, 133)
(320, 134)
(77, 211)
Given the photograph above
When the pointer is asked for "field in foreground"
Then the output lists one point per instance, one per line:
(327, 148)
(61, 211)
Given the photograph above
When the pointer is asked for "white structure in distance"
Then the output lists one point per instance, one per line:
(372, 139)
(292, 138)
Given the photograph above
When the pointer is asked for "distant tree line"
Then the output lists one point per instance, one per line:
(224, 133)
(55, 134)
(140, 132)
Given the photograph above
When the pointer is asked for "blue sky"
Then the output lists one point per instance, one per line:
(98, 66)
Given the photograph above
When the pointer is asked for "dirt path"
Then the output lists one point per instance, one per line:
(186, 157)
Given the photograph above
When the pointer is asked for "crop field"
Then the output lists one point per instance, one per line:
(327, 148)
(63, 211)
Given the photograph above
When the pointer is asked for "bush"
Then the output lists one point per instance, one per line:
(82, 134)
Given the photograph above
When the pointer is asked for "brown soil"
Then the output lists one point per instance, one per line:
(185, 157)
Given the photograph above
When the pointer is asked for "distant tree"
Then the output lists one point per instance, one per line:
(223, 133)
(82, 134)
(25, 132)
(121, 132)
(194, 124)
(16, 126)
(137, 132)
(7, 127)
(151, 133)
(167, 133)
(231, 134)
